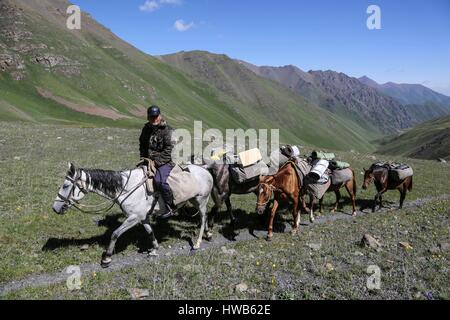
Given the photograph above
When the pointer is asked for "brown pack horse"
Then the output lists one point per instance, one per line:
(380, 177)
(284, 186)
(350, 186)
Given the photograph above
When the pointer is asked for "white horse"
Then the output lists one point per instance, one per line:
(128, 190)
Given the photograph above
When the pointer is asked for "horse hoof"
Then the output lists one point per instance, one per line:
(294, 232)
(105, 263)
(155, 245)
(354, 214)
(269, 238)
(311, 220)
(209, 236)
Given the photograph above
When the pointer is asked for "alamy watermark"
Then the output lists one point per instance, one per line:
(73, 281)
(205, 143)
(74, 20)
(374, 280)
(374, 20)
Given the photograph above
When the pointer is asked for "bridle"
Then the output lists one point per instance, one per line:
(272, 190)
(68, 201)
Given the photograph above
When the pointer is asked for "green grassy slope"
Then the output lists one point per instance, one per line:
(430, 140)
(103, 71)
(34, 240)
(91, 77)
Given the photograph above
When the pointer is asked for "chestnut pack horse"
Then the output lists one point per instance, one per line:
(284, 186)
(350, 186)
(380, 177)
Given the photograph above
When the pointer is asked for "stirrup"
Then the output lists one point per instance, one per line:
(169, 214)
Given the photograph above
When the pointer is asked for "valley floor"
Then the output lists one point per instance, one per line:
(325, 261)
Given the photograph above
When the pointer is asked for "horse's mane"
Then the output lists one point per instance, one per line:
(109, 182)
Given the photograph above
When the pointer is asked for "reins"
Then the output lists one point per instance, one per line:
(113, 201)
(272, 189)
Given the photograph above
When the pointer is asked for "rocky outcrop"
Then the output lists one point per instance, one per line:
(383, 111)
(50, 61)
(13, 64)
(29, 47)
(58, 63)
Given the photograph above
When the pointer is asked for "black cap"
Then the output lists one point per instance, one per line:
(153, 111)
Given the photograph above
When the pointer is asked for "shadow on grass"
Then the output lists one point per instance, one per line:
(177, 228)
(185, 226)
(251, 222)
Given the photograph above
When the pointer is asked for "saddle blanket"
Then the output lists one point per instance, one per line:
(242, 174)
(339, 177)
(183, 184)
(315, 188)
(397, 171)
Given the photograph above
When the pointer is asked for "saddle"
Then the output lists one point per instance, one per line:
(182, 182)
(302, 168)
(148, 166)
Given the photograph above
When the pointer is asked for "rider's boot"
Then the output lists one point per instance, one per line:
(171, 208)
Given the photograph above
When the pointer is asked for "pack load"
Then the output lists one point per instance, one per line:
(341, 176)
(249, 167)
(183, 184)
(318, 179)
(280, 156)
(339, 165)
(317, 188)
(277, 158)
(320, 155)
(218, 154)
(319, 168)
(291, 151)
(397, 171)
(400, 171)
(250, 157)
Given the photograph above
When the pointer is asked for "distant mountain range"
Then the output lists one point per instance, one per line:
(376, 106)
(408, 93)
(50, 74)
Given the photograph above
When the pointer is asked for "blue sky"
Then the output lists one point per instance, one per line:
(413, 45)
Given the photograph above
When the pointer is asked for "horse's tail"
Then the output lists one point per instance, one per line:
(410, 186)
(355, 187)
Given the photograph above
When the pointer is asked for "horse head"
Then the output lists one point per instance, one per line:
(369, 177)
(72, 191)
(265, 193)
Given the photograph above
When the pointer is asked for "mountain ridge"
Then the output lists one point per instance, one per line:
(91, 77)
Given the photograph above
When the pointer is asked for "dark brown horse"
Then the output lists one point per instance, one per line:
(224, 187)
(285, 186)
(350, 186)
(380, 177)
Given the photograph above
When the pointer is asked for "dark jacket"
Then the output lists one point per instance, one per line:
(156, 143)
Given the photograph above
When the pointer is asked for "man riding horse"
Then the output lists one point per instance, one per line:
(155, 143)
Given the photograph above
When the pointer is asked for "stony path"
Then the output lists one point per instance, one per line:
(120, 262)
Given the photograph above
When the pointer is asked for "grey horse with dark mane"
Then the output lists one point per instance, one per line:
(128, 190)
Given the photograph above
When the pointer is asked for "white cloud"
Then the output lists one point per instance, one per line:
(149, 6)
(170, 1)
(152, 5)
(181, 26)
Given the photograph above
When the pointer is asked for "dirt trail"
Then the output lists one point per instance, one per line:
(120, 262)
